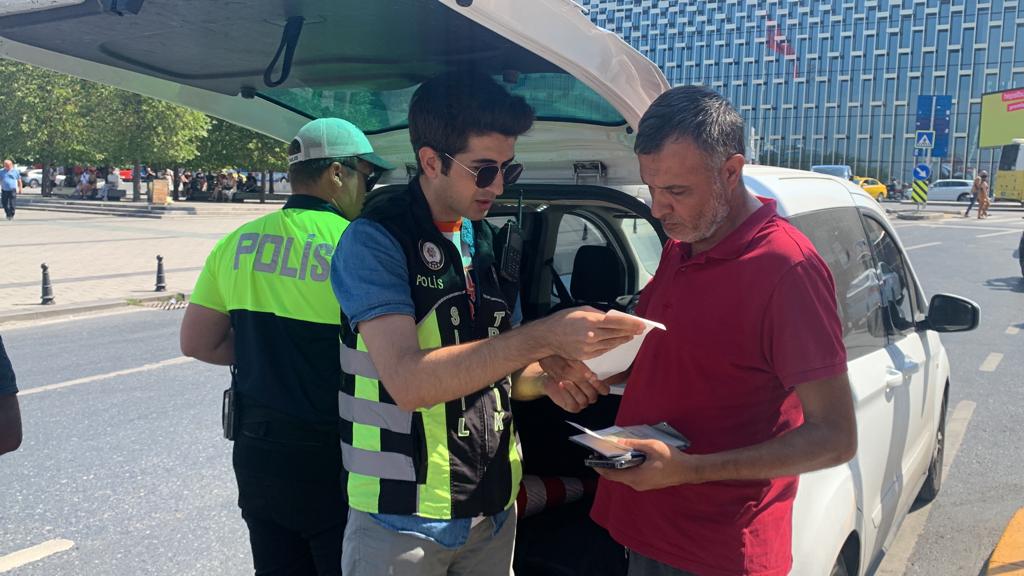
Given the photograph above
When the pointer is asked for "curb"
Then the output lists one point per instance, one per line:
(921, 215)
(1006, 559)
(58, 310)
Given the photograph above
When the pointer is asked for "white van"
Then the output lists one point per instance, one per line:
(581, 195)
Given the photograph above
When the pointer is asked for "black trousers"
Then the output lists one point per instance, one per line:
(290, 493)
(8, 201)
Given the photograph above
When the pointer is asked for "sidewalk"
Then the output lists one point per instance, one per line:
(102, 261)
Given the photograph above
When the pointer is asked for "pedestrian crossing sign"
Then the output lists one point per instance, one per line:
(924, 139)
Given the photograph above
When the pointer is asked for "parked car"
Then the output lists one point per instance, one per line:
(873, 187)
(33, 178)
(950, 190)
(838, 170)
(581, 196)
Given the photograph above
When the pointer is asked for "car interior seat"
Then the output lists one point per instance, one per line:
(598, 276)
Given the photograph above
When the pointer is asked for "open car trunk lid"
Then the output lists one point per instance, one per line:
(356, 60)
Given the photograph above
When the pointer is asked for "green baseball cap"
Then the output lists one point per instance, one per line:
(334, 138)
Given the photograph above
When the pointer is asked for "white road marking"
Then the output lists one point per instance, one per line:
(925, 245)
(1013, 330)
(898, 555)
(34, 553)
(991, 362)
(87, 379)
(975, 228)
(998, 234)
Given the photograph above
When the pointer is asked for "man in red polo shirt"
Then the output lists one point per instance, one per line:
(752, 368)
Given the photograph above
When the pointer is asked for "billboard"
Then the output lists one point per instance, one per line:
(1002, 117)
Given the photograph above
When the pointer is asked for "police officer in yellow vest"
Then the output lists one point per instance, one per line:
(432, 465)
(263, 305)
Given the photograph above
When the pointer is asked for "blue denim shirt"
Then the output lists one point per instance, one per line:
(448, 533)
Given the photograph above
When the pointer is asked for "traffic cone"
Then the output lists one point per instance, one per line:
(161, 282)
(47, 297)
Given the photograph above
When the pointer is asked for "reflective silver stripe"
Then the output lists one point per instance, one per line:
(376, 414)
(357, 363)
(385, 465)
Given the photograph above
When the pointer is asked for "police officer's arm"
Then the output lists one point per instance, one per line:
(10, 423)
(419, 378)
(568, 383)
(206, 335)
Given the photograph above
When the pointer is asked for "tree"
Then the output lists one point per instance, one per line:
(45, 117)
(148, 130)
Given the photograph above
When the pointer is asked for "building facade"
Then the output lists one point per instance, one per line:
(836, 82)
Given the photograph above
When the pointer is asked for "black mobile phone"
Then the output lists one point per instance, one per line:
(512, 253)
(626, 461)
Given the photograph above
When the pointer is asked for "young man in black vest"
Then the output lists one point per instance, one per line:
(429, 352)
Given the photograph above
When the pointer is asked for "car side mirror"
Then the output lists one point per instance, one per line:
(948, 313)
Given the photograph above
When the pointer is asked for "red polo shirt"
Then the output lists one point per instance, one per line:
(748, 321)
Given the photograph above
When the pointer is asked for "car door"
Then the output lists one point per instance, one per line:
(838, 235)
(906, 380)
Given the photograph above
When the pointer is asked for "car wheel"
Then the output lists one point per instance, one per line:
(963, 197)
(33, 183)
(840, 568)
(934, 480)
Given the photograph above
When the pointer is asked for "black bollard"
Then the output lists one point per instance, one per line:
(47, 287)
(161, 282)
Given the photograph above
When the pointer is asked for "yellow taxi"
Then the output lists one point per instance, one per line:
(871, 186)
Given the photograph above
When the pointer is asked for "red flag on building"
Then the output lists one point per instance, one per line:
(777, 43)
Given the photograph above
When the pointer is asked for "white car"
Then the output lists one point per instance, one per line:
(33, 178)
(591, 237)
(950, 190)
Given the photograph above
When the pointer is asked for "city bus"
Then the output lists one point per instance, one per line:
(1009, 179)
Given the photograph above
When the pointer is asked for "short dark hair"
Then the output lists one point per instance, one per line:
(447, 109)
(696, 113)
(307, 172)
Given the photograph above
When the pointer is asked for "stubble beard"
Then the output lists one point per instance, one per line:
(712, 219)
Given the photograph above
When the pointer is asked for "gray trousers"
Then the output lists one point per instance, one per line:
(370, 549)
(640, 565)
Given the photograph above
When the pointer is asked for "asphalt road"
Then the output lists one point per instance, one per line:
(130, 466)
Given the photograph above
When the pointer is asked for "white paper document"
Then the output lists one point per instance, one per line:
(604, 441)
(618, 359)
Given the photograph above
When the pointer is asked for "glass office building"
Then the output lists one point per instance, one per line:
(836, 82)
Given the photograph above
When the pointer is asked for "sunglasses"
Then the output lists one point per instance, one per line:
(371, 177)
(486, 175)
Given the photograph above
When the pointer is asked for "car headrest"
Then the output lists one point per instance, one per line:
(597, 275)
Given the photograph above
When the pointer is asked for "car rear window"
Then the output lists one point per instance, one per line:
(555, 96)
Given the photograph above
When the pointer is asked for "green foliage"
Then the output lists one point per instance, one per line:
(140, 129)
(227, 145)
(44, 116)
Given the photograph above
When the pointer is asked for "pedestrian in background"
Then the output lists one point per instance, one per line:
(10, 187)
(974, 194)
(981, 187)
(10, 413)
(263, 304)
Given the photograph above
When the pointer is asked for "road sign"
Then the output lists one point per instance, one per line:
(924, 139)
(919, 193)
(922, 172)
(933, 115)
(940, 124)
